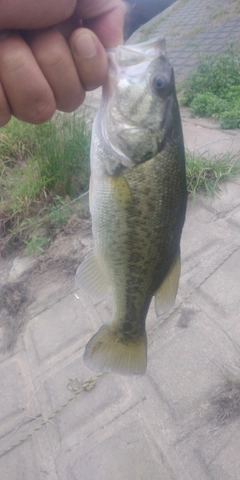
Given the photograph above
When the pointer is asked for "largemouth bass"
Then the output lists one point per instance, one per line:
(137, 203)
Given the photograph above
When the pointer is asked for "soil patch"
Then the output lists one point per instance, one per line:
(51, 278)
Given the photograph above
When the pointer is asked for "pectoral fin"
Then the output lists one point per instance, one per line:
(166, 294)
(120, 190)
(91, 277)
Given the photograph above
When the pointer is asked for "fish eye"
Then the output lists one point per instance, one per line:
(158, 83)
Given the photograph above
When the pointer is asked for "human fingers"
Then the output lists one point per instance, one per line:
(90, 58)
(55, 60)
(28, 93)
(30, 14)
(105, 18)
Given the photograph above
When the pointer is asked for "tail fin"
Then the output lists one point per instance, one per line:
(107, 351)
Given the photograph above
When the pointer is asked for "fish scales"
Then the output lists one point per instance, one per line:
(137, 202)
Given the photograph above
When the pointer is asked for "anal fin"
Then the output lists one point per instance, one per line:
(91, 277)
(166, 294)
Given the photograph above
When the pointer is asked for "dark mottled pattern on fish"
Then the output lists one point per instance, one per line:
(153, 224)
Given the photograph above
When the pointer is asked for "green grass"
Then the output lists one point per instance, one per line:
(219, 14)
(213, 90)
(42, 168)
(35, 245)
(206, 175)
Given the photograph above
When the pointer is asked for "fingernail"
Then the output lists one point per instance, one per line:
(85, 46)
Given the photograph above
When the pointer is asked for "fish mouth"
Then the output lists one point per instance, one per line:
(132, 54)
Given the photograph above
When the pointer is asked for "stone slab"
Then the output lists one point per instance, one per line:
(90, 411)
(219, 296)
(186, 356)
(18, 404)
(129, 453)
(64, 327)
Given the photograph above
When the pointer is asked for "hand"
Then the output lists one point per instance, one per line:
(51, 52)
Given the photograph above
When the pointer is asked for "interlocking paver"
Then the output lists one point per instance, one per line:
(226, 464)
(64, 327)
(18, 404)
(115, 457)
(185, 358)
(19, 463)
(87, 413)
(219, 295)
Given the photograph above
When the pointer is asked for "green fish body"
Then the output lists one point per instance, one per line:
(137, 202)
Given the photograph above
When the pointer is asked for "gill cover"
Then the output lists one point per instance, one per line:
(130, 122)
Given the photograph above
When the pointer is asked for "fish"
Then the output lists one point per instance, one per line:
(137, 199)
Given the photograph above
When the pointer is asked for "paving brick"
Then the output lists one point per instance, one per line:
(66, 325)
(20, 464)
(11, 404)
(219, 295)
(227, 462)
(185, 357)
(129, 453)
(204, 245)
(90, 411)
(225, 203)
(52, 291)
(30, 460)
(226, 209)
(17, 401)
(204, 444)
(233, 222)
(201, 139)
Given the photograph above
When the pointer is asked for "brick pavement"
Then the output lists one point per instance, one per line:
(178, 422)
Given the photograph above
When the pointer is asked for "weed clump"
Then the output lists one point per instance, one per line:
(214, 89)
(206, 175)
(42, 167)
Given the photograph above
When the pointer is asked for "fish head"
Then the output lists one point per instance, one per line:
(138, 103)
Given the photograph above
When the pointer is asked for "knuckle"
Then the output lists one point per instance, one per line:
(13, 60)
(38, 109)
(53, 59)
(51, 50)
(68, 8)
(14, 54)
(43, 112)
(72, 104)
